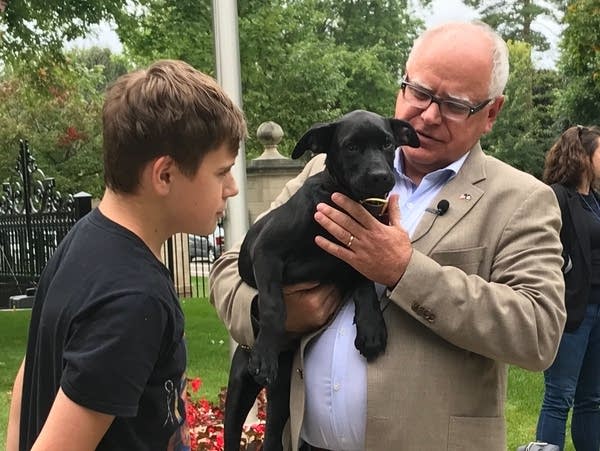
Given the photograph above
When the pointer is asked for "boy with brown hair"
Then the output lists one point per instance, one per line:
(106, 356)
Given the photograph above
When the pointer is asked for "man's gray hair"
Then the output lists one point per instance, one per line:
(500, 61)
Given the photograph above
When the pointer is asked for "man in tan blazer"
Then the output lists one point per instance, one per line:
(473, 286)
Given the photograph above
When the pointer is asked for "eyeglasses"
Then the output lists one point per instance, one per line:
(454, 110)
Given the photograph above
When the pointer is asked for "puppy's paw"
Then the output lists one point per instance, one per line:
(263, 366)
(371, 339)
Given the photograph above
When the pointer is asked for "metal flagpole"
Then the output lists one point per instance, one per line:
(227, 56)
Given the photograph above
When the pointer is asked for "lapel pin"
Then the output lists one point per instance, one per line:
(465, 196)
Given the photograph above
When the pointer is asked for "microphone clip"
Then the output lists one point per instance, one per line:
(441, 208)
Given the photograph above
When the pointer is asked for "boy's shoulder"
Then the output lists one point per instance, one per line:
(101, 254)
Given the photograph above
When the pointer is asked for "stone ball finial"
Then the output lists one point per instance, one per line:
(269, 134)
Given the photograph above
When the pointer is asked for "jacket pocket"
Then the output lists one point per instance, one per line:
(476, 434)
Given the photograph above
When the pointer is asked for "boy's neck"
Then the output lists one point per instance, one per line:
(137, 214)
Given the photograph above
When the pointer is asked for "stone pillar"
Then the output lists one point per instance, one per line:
(175, 255)
(267, 175)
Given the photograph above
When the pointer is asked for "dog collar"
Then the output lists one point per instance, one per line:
(377, 207)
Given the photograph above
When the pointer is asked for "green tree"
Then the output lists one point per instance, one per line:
(56, 107)
(35, 28)
(378, 25)
(579, 65)
(111, 66)
(513, 19)
(545, 88)
(527, 125)
(179, 29)
(517, 137)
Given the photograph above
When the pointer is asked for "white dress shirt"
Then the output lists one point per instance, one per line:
(335, 373)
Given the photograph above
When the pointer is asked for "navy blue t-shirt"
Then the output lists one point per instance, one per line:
(107, 328)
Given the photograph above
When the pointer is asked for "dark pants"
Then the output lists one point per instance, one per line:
(573, 381)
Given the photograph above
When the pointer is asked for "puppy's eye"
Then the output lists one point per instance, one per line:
(388, 143)
(352, 147)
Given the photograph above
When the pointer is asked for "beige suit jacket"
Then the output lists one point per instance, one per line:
(483, 289)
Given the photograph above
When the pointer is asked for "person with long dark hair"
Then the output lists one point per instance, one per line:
(572, 168)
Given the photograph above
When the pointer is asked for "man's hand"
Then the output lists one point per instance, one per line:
(380, 252)
(309, 306)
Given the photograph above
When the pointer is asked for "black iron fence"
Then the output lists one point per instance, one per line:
(34, 218)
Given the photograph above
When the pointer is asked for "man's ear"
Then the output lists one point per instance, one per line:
(161, 173)
(493, 113)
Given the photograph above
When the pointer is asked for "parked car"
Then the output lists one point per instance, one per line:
(200, 248)
(206, 248)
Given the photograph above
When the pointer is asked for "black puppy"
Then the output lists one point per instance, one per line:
(279, 250)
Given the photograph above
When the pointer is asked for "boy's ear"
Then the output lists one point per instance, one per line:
(161, 173)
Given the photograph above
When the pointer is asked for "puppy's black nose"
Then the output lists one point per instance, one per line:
(380, 181)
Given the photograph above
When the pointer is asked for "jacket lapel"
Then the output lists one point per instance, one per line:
(462, 194)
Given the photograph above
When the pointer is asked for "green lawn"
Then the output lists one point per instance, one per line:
(208, 347)
(208, 351)
(525, 391)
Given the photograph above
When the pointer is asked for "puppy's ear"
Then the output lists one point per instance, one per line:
(317, 139)
(404, 133)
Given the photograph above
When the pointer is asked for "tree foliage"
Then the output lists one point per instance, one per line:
(579, 65)
(56, 107)
(527, 125)
(36, 28)
(513, 19)
(524, 129)
(111, 66)
(179, 29)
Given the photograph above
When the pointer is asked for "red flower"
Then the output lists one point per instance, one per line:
(196, 384)
(258, 428)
